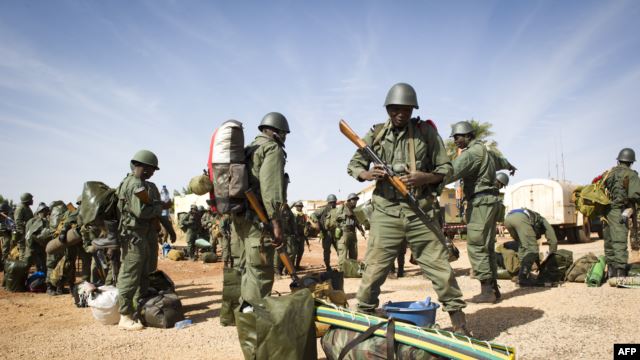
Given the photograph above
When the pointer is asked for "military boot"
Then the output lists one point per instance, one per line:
(60, 289)
(51, 290)
(459, 323)
(486, 293)
(496, 290)
(111, 241)
(524, 276)
(128, 323)
(621, 272)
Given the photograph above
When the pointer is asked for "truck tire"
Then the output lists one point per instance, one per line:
(579, 234)
(560, 233)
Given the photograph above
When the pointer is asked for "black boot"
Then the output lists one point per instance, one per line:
(621, 272)
(611, 271)
(51, 290)
(524, 276)
(486, 293)
(459, 323)
(496, 289)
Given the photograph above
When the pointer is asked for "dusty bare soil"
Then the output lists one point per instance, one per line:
(570, 321)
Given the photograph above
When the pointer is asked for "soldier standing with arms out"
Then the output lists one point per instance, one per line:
(265, 158)
(300, 219)
(319, 217)
(190, 224)
(137, 210)
(6, 228)
(623, 185)
(526, 227)
(399, 141)
(345, 233)
(22, 214)
(477, 169)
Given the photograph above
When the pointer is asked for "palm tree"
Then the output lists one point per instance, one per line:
(483, 132)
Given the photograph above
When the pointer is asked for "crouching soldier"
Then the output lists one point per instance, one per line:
(36, 237)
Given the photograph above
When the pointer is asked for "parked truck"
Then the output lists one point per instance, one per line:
(553, 200)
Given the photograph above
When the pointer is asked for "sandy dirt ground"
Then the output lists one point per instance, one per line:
(569, 321)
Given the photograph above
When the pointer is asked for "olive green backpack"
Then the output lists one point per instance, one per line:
(592, 200)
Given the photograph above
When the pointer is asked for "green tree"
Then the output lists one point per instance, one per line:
(483, 133)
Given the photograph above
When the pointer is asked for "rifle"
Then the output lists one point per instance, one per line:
(254, 204)
(394, 179)
(11, 224)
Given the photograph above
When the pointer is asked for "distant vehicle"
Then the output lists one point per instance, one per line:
(553, 200)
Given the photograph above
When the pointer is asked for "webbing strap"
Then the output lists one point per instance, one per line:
(367, 334)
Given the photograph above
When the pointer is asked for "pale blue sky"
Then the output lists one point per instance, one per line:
(85, 84)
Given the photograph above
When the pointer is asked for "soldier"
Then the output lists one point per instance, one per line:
(623, 186)
(477, 166)
(36, 237)
(6, 228)
(319, 217)
(300, 219)
(398, 141)
(210, 232)
(22, 214)
(58, 209)
(265, 161)
(346, 225)
(190, 224)
(526, 227)
(73, 252)
(138, 210)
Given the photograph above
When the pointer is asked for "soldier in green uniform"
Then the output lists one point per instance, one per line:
(265, 158)
(300, 219)
(22, 214)
(36, 237)
(476, 167)
(7, 225)
(623, 186)
(138, 210)
(526, 227)
(57, 212)
(319, 217)
(403, 140)
(346, 225)
(208, 225)
(74, 252)
(191, 225)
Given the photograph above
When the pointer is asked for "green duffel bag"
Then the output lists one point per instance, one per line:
(161, 311)
(577, 272)
(339, 344)
(231, 280)
(352, 268)
(209, 257)
(279, 327)
(555, 266)
(15, 275)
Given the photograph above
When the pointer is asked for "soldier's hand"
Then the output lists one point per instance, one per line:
(512, 170)
(278, 238)
(376, 173)
(419, 178)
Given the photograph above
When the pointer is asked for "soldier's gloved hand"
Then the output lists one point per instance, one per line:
(278, 238)
(512, 170)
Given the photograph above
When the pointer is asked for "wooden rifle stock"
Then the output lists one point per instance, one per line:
(255, 205)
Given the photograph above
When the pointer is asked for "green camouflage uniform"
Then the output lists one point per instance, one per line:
(137, 231)
(393, 221)
(190, 224)
(623, 186)
(58, 212)
(476, 167)
(22, 214)
(74, 252)
(5, 238)
(37, 235)
(224, 224)
(319, 216)
(346, 224)
(208, 223)
(526, 227)
(265, 161)
(90, 233)
(300, 220)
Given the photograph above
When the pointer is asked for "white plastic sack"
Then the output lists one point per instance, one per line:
(104, 305)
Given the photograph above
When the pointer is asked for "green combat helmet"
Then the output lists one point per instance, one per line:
(461, 128)
(401, 94)
(298, 204)
(41, 207)
(332, 198)
(26, 197)
(201, 208)
(502, 178)
(146, 157)
(194, 208)
(627, 155)
(276, 121)
(352, 196)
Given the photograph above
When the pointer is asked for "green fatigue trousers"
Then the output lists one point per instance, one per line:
(615, 239)
(52, 262)
(256, 261)
(7, 244)
(191, 236)
(154, 247)
(385, 239)
(481, 239)
(72, 254)
(22, 245)
(297, 257)
(225, 244)
(347, 247)
(132, 278)
(34, 254)
(521, 230)
(327, 242)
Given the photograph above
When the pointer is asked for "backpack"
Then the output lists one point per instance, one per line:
(161, 282)
(99, 203)
(161, 311)
(577, 272)
(592, 200)
(555, 266)
(227, 168)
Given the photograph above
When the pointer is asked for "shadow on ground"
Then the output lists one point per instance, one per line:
(487, 324)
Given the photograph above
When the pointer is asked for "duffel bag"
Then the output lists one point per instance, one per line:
(161, 282)
(231, 279)
(15, 275)
(161, 311)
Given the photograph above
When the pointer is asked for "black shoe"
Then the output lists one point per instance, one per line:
(51, 291)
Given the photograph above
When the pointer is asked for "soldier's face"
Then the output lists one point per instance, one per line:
(399, 115)
(332, 204)
(352, 203)
(461, 141)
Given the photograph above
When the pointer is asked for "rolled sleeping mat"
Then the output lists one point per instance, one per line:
(56, 246)
(202, 244)
(630, 282)
(595, 275)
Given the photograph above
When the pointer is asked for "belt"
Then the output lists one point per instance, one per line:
(486, 193)
(523, 211)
